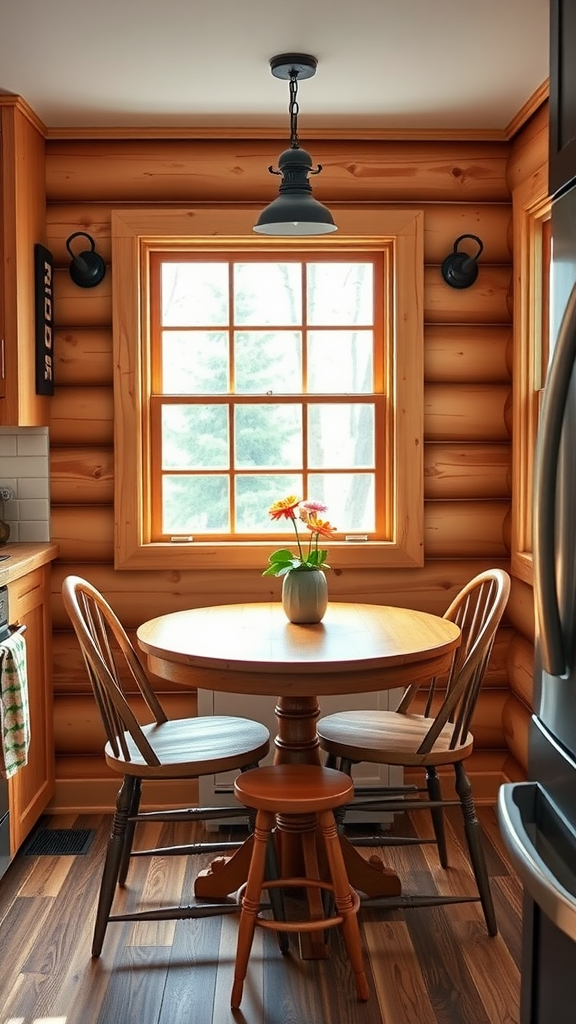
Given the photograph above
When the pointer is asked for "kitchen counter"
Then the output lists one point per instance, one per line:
(24, 558)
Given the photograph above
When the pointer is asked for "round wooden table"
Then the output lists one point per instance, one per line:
(252, 648)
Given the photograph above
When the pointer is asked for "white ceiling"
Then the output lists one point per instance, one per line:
(391, 65)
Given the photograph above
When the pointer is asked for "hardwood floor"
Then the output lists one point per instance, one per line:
(425, 966)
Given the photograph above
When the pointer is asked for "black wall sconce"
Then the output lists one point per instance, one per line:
(459, 269)
(87, 268)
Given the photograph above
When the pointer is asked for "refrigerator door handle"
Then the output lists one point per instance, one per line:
(545, 888)
(553, 653)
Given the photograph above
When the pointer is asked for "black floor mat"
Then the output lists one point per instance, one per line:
(58, 842)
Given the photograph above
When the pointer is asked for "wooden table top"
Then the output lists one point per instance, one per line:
(252, 648)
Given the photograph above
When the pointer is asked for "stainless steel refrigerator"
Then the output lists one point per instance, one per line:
(538, 817)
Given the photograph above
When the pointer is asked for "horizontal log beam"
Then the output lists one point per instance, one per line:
(85, 414)
(467, 354)
(466, 470)
(467, 412)
(83, 356)
(81, 476)
(185, 171)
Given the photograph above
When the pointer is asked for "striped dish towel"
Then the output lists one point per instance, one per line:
(14, 718)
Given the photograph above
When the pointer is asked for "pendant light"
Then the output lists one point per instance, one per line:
(295, 211)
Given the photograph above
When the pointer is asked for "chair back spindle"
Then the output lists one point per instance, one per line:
(477, 610)
(105, 647)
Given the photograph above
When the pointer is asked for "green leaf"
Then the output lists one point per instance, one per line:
(317, 558)
(281, 562)
(283, 555)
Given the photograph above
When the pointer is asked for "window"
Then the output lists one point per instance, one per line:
(249, 369)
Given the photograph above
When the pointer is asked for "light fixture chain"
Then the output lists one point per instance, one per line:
(293, 110)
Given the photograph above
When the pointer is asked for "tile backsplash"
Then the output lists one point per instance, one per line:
(25, 468)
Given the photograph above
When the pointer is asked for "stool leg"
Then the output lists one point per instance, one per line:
(317, 940)
(275, 895)
(251, 902)
(344, 901)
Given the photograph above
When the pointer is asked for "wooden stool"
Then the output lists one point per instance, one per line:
(299, 798)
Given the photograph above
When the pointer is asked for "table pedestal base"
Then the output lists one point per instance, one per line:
(296, 743)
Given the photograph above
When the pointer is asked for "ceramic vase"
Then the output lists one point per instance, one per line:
(305, 595)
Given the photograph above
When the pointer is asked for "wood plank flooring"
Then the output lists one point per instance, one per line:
(425, 966)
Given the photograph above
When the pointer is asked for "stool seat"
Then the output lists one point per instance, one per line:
(297, 801)
(293, 788)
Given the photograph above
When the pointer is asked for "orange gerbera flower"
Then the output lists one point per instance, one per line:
(285, 509)
(321, 527)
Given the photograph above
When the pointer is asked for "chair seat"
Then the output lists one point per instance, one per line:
(386, 737)
(187, 747)
(294, 788)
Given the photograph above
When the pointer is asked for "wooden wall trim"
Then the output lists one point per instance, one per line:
(337, 128)
(531, 107)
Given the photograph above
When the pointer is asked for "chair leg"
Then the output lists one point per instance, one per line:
(473, 831)
(344, 901)
(437, 814)
(251, 903)
(129, 834)
(114, 852)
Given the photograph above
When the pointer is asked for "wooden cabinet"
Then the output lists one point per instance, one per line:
(23, 223)
(562, 94)
(33, 786)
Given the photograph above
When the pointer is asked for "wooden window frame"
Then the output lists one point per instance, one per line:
(531, 207)
(137, 232)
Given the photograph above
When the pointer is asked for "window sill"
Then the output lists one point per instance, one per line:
(254, 555)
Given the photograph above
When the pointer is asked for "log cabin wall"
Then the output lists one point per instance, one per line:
(462, 188)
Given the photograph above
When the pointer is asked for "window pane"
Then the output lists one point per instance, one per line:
(341, 434)
(255, 495)
(268, 363)
(194, 294)
(267, 293)
(195, 437)
(194, 362)
(195, 504)
(268, 436)
(340, 361)
(340, 293)
(350, 498)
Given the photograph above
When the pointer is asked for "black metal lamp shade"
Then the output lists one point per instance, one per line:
(295, 211)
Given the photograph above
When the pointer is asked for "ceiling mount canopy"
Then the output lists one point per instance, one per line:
(295, 211)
